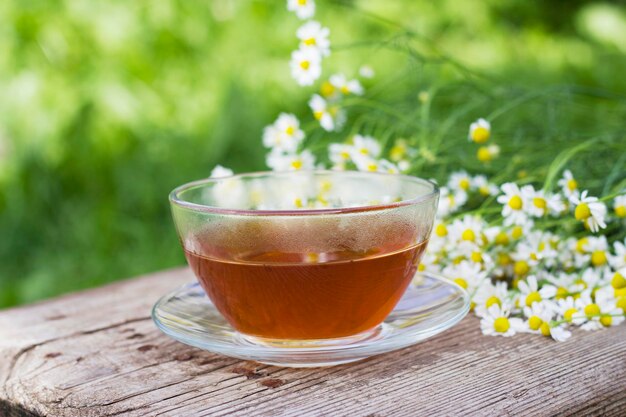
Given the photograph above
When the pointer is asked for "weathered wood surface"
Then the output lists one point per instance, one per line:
(97, 353)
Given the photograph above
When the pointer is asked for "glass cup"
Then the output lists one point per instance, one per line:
(305, 255)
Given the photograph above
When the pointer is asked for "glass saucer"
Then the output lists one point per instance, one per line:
(430, 305)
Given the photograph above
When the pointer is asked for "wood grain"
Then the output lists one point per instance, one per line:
(97, 353)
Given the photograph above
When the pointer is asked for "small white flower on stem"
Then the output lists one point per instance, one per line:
(306, 66)
(221, 172)
(280, 161)
(449, 201)
(304, 9)
(313, 35)
(345, 86)
(365, 146)
(285, 134)
(589, 211)
(366, 71)
(339, 154)
(531, 293)
(489, 294)
(479, 131)
(568, 184)
(569, 311)
(465, 274)
(497, 322)
(514, 202)
(484, 187)
(331, 117)
(460, 180)
(619, 206)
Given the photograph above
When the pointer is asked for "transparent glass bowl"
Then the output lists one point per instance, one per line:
(308, 255)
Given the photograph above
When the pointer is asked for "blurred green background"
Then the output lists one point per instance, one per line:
(106, 106)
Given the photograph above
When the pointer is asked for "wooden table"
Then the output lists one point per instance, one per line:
(97, 353)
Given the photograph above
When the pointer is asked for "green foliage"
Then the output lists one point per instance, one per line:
(107, 106)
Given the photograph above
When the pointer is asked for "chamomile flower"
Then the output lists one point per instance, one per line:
(460, 180)
(313, 35)
(479, 131)
(541, 203)
(285, 134)
(513, 203)
(465, 274)
(568, 310)
(366, 71)
(339, 154)
(365, 146)
(487, 153)
(331, 117)
(280, 161)
(539, 316)
(589, 211)
(484, 187)
(388, 167)
(450, 201)
(345, 86)
(304, 9)
(618, 260)
(497, 322)
(599, 313)
(489, 294)
(469, 229)
(531, 293)
(306, 66)
(221, 172)
(568, 184)
(619, 206)
(598, 248)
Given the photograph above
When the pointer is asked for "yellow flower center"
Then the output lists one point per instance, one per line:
(297, 164)
(302, 2)
(534, 323)
(621, 303)
(305, 65)
(620, 211)
(480, 134)
(344, 89)
(592, 310)
(521, 268)
(309, 42)
(397, 152)
(327, 89)
(561, 292)
(502, 239)
(476, 257)
(318, 114)
(618, 281)
(545, 329)
(345, 155)
(492, 300)
(290, 130)
(516, 202)
(484, 191)
(298, 202)
(504, 259)
(569, 313)
(572, 184)
(464, 184)
(517, 232)
(540, 203)
(468, 234)
(372, 167)
(581, 243)
(483, 154)
(533, 297)
(441, 230)
(606, 321)
(598, 257)
(501, 325)
(582, 211)
(461, 283)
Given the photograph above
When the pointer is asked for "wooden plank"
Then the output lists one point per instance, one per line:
(97, 353)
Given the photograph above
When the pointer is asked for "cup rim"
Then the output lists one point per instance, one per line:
(174, 196)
